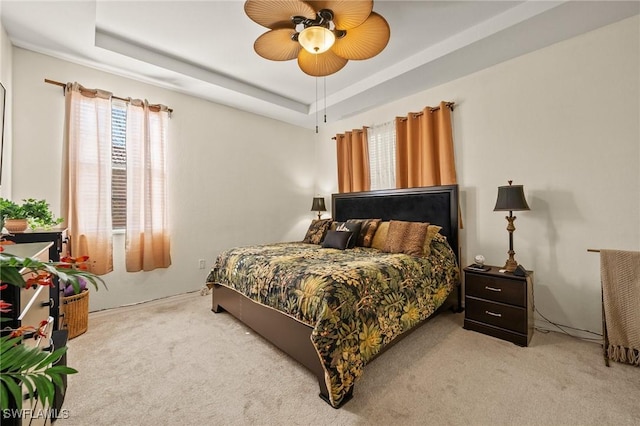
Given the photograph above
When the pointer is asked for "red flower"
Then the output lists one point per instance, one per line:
(4, 306)
(68, 259)
(42, 328)
(21, 330)
(74, 262)
(43, 278)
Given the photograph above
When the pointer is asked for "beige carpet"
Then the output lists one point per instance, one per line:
(174, 362)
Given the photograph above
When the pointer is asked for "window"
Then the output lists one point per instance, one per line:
(382, 155)
(118, 164)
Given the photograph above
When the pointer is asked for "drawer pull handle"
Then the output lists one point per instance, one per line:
(493, 314)
(492, 289)
(50, 303)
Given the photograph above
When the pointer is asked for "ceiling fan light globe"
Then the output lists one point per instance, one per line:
(316, 39)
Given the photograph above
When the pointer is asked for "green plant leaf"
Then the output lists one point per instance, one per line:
(10, 387)
(51, 358)
(22, 364)
(32, 367)
(60, 370)
(12, 275)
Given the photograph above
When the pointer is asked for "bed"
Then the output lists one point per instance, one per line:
(336, 310)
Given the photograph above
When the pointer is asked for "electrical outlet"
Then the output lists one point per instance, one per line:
(202, 264)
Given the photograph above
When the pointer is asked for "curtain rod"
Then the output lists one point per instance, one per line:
(593, 250)
(63, 85)
(450, 105)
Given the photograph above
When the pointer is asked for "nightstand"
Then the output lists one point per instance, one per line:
(499, 304)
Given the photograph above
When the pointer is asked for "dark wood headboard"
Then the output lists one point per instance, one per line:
(437, 205)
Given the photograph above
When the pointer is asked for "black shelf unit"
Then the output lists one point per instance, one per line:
(58, 237)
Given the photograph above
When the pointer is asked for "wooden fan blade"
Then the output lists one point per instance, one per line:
(346, 13)
(320, 65)
(277, 45)
(365, 41)
(277, 13)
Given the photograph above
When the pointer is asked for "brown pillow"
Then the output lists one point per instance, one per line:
(406, 237)
(368, 229)
(380, 237)
(432, 230)
(317, 230)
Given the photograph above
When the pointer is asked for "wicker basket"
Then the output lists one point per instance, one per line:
(76, 313)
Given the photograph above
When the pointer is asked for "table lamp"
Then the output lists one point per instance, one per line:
(511, 198)
(318, 206)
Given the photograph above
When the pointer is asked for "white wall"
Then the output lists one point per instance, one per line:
(562, 121)
(6, 61)
(234, 178)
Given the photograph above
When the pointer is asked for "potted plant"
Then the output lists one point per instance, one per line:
(22, 364)
(39, 214)
(31, 213)
(13, 216)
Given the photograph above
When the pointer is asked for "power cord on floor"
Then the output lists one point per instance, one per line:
(562, 327)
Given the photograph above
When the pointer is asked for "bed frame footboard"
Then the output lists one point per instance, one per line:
(294, 337)
(289, 335)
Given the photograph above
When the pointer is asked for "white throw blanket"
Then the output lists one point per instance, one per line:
(620, 275)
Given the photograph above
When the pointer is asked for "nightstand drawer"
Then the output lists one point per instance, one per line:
(498, 314)
(513, 292)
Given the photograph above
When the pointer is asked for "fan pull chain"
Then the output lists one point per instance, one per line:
(324, 80)
(316, 58)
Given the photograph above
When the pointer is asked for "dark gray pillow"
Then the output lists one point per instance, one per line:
(353, 227)
(337, 239)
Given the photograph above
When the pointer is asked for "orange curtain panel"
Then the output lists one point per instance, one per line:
(353, 161)
(424, 148)
(87, 175)
(147, 244)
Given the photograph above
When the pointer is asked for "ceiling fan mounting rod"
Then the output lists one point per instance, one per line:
(324, 18)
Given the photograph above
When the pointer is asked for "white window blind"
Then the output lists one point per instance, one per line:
(382, 155)
(118, 164)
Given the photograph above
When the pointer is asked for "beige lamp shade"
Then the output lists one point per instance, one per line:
(316, 39)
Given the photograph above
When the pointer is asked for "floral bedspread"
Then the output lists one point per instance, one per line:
(356, 300)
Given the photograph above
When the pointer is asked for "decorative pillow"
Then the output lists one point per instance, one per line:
(406, 237)
(368, 229)
(381, 236)
(354, 228)
(317, 230)
(432, 230)
(337, 239)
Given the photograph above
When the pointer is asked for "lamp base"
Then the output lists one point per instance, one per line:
(511, 263)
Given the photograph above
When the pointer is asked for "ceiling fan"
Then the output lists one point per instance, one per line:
(324, 35)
